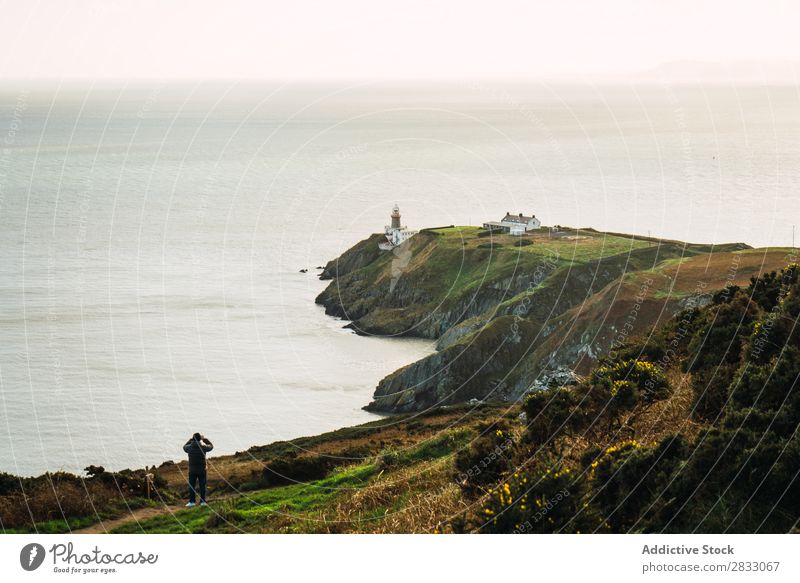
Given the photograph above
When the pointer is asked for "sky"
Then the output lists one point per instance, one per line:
(374, 39)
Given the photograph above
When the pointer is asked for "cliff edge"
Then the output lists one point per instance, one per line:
(507, 311)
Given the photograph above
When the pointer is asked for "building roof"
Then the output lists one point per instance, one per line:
(520, 218)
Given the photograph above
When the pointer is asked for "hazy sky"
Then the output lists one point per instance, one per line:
(292, 39)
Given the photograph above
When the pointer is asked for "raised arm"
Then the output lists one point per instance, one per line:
(187, 446)
(206, 445)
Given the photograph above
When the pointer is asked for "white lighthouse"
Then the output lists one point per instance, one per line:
(396, 233)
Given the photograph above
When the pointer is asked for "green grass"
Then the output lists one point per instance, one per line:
(57, 526)
(466, 232)
(675, 261)
(584, 250)
(253, 511)
(439, 446)
(247, 512)
(595, 246)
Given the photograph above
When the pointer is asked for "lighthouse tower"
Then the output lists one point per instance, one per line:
(396, 217)
(396, 234)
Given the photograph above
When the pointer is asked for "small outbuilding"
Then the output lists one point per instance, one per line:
(518, 224)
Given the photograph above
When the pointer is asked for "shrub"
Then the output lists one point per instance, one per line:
(734, 481)
(725, 295)
(486, 459)
(535, 502)
(653, 348)
(127, 482)
(733, 330)
(297, 469)
(628, 477)
(769, 387)
(719, 332)
(615, 388)
(775, 329)
(55, 496)
(9, 484)
(710, 387)
(628, 380)
(550, 413)
(768, 289)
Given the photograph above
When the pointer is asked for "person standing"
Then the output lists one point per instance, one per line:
(197, 448)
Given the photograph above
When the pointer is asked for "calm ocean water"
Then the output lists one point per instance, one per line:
(152, 235)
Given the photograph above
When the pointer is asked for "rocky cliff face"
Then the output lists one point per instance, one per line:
(498, 355)
(504, 315)
(358, 256)
(426, 286)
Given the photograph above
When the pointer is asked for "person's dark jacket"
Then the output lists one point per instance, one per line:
(197, 451)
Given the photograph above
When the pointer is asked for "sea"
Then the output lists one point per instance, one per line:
(153, 233)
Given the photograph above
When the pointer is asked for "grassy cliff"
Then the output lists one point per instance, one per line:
(508, 310)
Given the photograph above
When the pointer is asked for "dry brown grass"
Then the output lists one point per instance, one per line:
(668, 417)
(417, 499)
(647, 423)
(714, 269)
(426, 512)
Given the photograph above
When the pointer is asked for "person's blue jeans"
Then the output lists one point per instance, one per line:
(195, 477)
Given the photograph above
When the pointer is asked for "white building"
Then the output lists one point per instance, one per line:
(396, 234)
(514, 224)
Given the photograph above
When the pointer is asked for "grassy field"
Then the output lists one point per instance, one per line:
(462, 260)
(567, 246)
(343, 501)
(252, 511)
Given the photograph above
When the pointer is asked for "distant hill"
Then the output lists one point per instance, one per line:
(723, 72)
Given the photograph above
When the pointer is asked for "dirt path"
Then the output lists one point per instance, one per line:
(109, 524)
